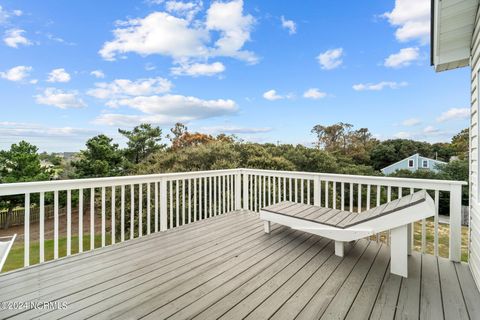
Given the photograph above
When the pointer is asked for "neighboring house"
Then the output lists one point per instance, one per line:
(455, 43)
(413, 163)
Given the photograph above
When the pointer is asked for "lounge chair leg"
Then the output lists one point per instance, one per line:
(266, 226)
(339, 248)
(399, 251)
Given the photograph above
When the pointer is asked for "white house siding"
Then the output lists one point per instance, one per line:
(474, 258)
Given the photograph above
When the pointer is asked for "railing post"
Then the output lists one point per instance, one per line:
(163, 205)
(238, 190)
(316, 191)
(26, 236)
(245, 191)
(455, 253)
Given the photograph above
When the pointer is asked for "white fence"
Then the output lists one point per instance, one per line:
(135, 206)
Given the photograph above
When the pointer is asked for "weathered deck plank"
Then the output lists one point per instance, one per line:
(228, 267)
(470, 294)
(363, 304)
(317, 305)
(454, 305)
(431, 307)
(386, 303)
(408, 306)
(348, 292)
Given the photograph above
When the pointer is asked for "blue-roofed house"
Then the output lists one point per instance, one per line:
(413, 163)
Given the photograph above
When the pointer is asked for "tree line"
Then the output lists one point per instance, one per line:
(338, 148)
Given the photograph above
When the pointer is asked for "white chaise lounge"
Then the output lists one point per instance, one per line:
(345, 226)
(5, 246)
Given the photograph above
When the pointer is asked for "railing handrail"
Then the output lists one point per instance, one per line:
(442, 185)
(7, 189)
(54, 185)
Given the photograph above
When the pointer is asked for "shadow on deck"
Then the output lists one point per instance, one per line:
(227, 267)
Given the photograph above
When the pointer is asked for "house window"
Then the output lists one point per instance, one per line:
(425, 163)
(410, 163)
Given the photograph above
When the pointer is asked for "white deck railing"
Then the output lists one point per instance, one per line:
(134, 206)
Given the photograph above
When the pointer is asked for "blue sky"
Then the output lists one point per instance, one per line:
(266, 71)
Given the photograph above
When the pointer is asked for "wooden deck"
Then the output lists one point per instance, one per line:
(227, 267)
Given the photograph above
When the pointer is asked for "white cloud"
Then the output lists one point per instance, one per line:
(168, 109)
(14, 38)
(403, 135)
(5, 15)
(411, 122)
(157, 33)
(183, 40)
(17, 73)
(121, 88)
(379, 86)
(150, 66)
(412, 20)
(154, 1)
(98, 74)
(187, 10)
(60, 99)
(58, 75)
(314, 93)
(402, 59)
(233, 130)
(180, 105)
(59, 40)
(234, 28)
(430, 130)
(58, 139)
(290, 25)
(330, 59)
(429, 133)
(19, 129)
(128, 120)
(198, 69)
(454, 114)
(272, 95)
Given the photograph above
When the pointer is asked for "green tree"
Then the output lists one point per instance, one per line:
(390, 151)
(176, 132)
(102, 158)
(19, 164)
(340, 138)
(443, 151)
(143, 140)
(460, 144)
(332, 138)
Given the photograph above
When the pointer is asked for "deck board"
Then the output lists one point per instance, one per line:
(366, 296)
(408, 306)
(454, 304)
(227, 267)
(432, 307)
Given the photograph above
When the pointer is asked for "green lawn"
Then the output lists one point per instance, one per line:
(15, 257)
(443, 239)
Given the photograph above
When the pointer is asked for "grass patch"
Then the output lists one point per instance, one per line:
(443, 239)
(16, 255)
